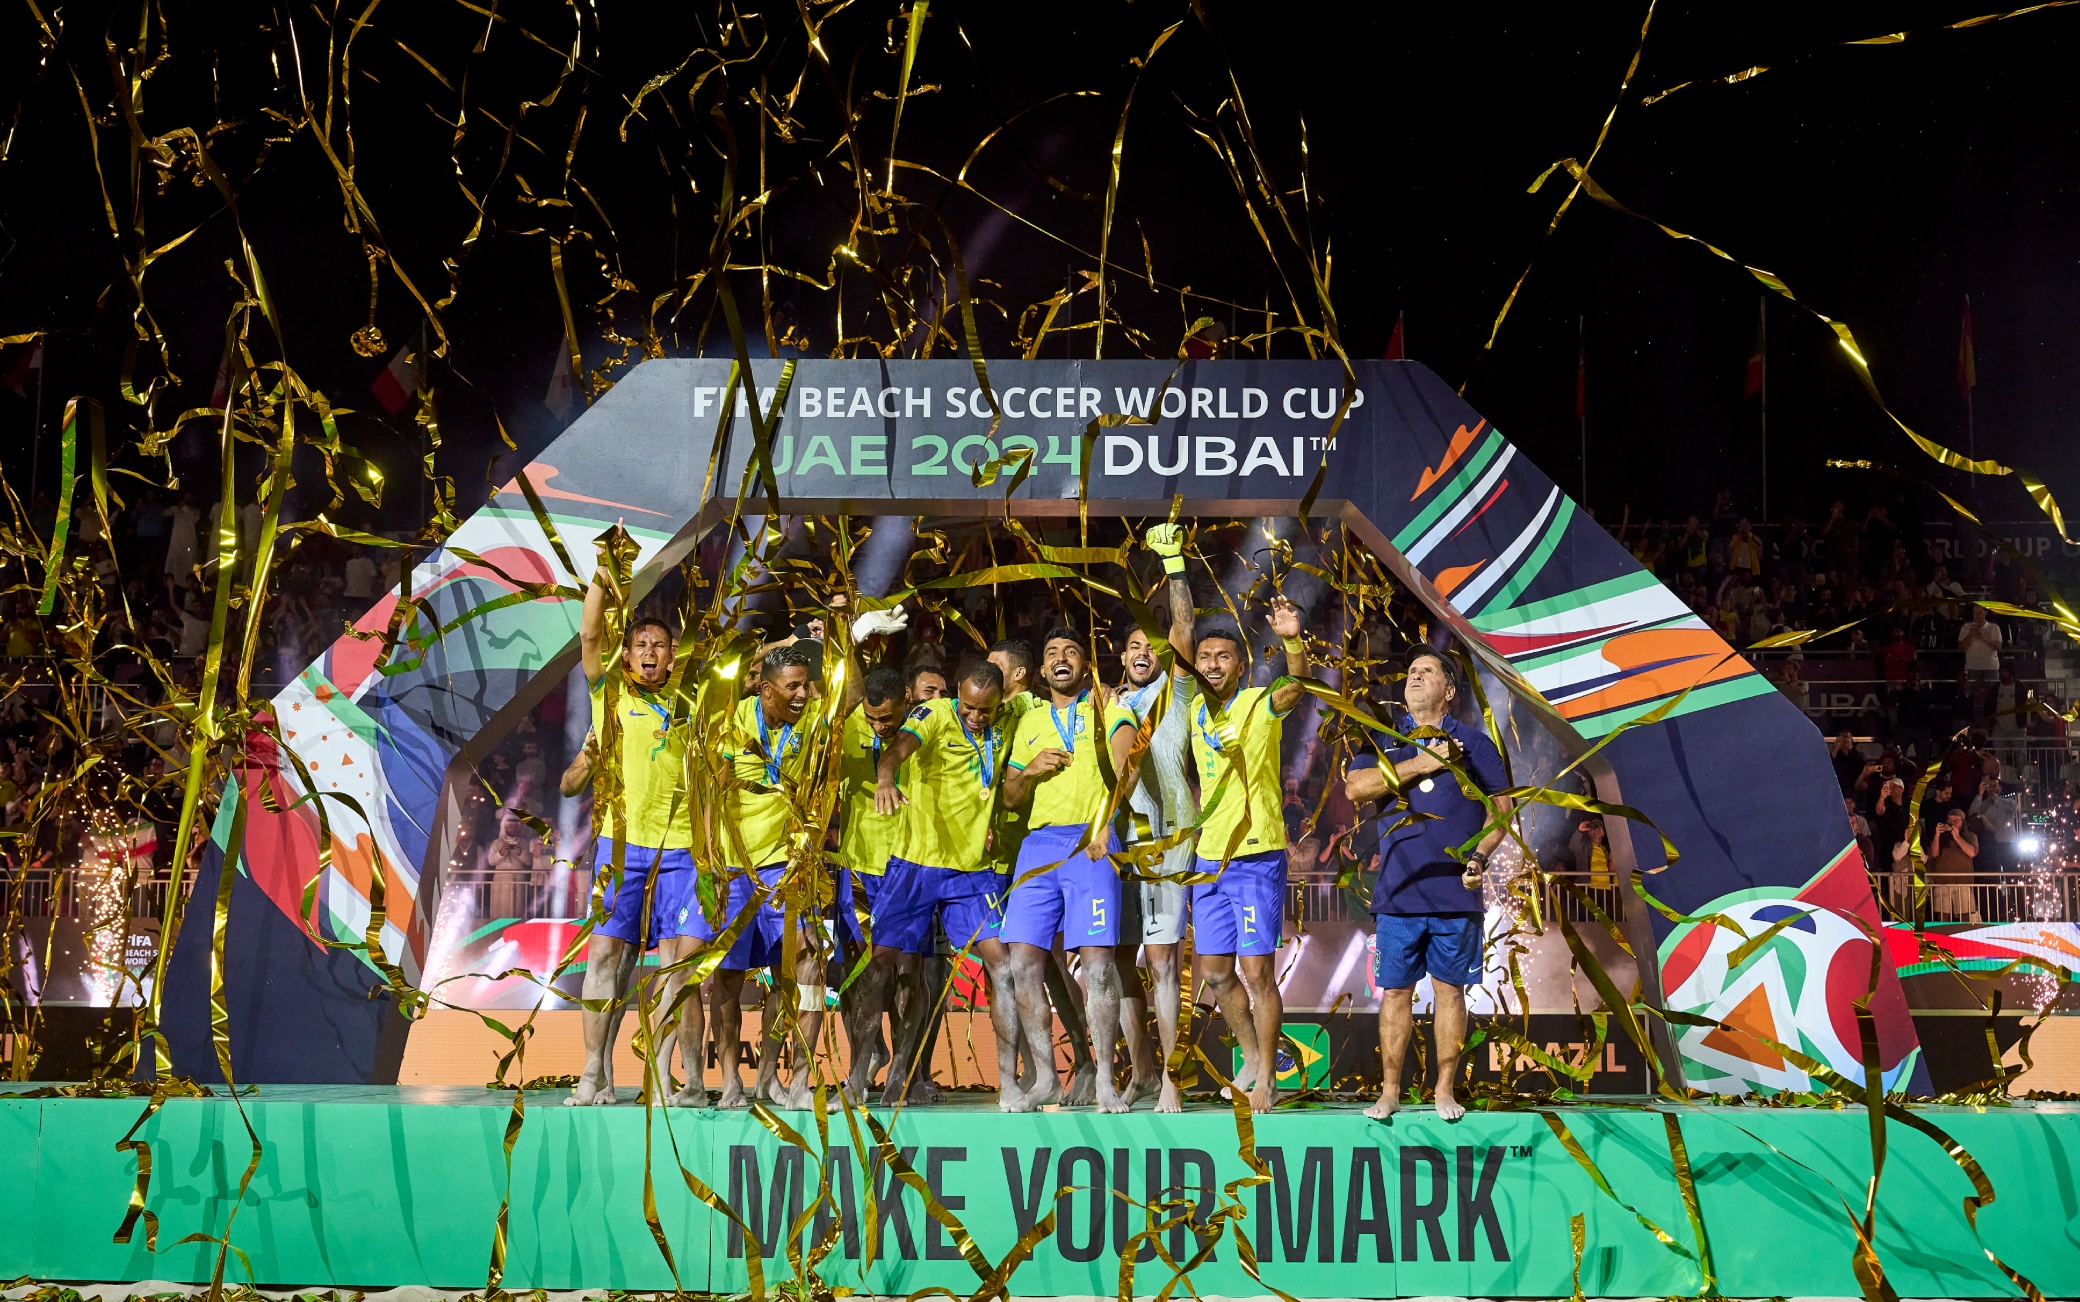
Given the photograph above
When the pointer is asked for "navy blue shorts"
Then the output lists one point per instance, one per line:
(1445, 946)
(1078, 897)
(1243, 911)
(675, 906)
(969, 904)
(856, 891)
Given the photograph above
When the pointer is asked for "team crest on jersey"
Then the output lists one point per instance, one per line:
(921, 713)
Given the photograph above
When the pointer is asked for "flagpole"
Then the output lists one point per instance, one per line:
(1764, 309)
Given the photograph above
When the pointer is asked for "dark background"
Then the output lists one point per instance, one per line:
(1883, 183)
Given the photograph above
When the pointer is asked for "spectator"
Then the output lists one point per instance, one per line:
(1860, 827)
(1952, 850)
(1792, 685)
(182, 551)
(1897, 657)
(1744, 550)
(1843, 538)
(1980, 639)
(1592, 853)
(1849, 762)
(360, 577)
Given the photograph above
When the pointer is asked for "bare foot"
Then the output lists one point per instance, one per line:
(1245, 1080)
(689, 1095)
(1169, 1100)
(924, 1090)
(732, 1095)
(1140, 1087)
(1046, 1090)
(1011, 1098)
(1449, 1108)
(1083, 1087)
(590, 1091)
(801, 1096)
(1264, 1097)
(771, 1090)
(1383, 1109)
(1110, 1101)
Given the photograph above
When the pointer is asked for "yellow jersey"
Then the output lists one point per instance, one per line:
(951, 780)
(867, 839)
(1240, 746)
(1075, 794)
(763, 758)
(654, 801)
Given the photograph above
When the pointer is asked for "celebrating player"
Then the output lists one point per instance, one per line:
(1063, 882)
(1163, 796)
(940, 867)
(772, 750)
(1238, 917)
(864, 846)
(642, 852)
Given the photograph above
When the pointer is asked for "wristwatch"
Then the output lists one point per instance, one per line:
(1477, 860)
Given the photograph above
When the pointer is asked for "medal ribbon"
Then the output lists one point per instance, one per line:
(985, 750)
(1068, 735)
(788, 741)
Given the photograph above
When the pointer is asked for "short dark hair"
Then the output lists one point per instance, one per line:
(1444, 662)
(1017, 650)
(1219, 635)
(787, 657)
(883, 684)
(984, 674)
(1062, 633)
(919, 671)
(649, 621)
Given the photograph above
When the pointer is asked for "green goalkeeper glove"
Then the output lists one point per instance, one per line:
(1167, 541)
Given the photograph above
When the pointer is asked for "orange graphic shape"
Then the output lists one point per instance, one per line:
(1749, 1018)
(1447, 580)
(2054, 941)
(1697, 656)
(356, 863)
(539, 473)
(1462, 439)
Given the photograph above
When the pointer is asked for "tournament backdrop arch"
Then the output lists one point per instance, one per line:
(1736, 776)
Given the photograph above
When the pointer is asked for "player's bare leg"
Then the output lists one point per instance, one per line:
(1101, 983)
(726, 1013)
(693, 1027)
(1449, 1025)
(1133, 1024)
(1397, 1022)
(808, 1022)
(1260, 977)
(609, 964)
(1166, 995)
(1019, 1009)
(865, 1002)
(1232, 997)
(773, 1024)
(913, 1010)
(1068, 1005)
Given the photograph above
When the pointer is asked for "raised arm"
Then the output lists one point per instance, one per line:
(1285, 621)
(1167, 541)
(579, 774)
(592, 623)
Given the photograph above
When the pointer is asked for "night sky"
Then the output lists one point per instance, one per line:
(1882, 183)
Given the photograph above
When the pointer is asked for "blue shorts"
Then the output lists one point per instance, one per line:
(1077, 898)
(854, 889)
(1447, 946)
(762, 941)
(675, 906)
(1244, 911)
(970, 904)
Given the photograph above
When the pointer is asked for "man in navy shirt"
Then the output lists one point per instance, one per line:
(1427, 903)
